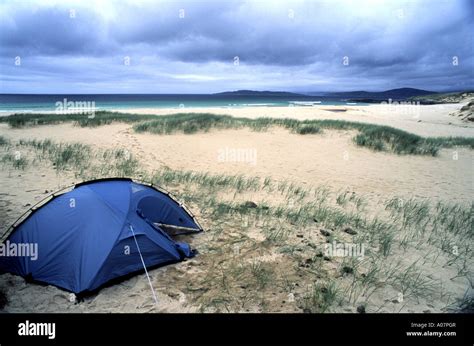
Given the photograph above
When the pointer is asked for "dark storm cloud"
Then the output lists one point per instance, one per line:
(294, 45)
(50, 31)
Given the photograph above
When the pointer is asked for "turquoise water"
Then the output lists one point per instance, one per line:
(49, 103)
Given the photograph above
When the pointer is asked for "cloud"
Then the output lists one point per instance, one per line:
(190, 46)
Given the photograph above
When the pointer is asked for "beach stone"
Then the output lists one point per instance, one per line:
(349, 230)
(325, 232)
(347, 270)
(250, 204)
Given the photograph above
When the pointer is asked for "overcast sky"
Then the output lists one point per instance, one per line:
(212, 46)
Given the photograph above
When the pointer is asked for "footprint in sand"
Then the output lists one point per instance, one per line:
(61, 299)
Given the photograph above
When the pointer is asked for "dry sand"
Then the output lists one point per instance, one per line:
(329, 159)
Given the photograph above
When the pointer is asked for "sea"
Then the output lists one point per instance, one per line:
(21, 103)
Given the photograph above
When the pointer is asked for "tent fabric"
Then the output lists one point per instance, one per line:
(84, 237)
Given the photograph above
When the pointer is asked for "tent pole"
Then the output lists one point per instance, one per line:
(143, 263)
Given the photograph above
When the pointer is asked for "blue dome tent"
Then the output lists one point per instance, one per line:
(96, 232)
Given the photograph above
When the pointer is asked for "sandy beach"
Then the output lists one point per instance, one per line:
(329, 160)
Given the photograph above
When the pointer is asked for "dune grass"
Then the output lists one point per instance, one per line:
(4, 141)
(375, 137)
(17, 161)
(100, 118)
(320, 297)
(81, 159)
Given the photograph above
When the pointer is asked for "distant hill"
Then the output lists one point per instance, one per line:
(367, 96)
(257, 93)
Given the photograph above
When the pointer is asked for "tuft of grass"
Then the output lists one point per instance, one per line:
(320, 297)
(412, 282)
(66, 154)
(20, 162)
(276, 235)
(342, 198)
(385, 242)
(261, 274)
(385, 138)
(4, 141)
(308, 129)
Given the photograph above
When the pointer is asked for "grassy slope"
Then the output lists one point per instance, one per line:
(100, 118)
(454, 97)
(376, 137)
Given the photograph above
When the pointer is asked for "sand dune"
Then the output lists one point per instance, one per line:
(330, 158)
(424, 120)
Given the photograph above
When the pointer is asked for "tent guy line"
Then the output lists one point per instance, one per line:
(144, 266)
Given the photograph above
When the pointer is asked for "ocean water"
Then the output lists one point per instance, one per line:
(11, 103)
